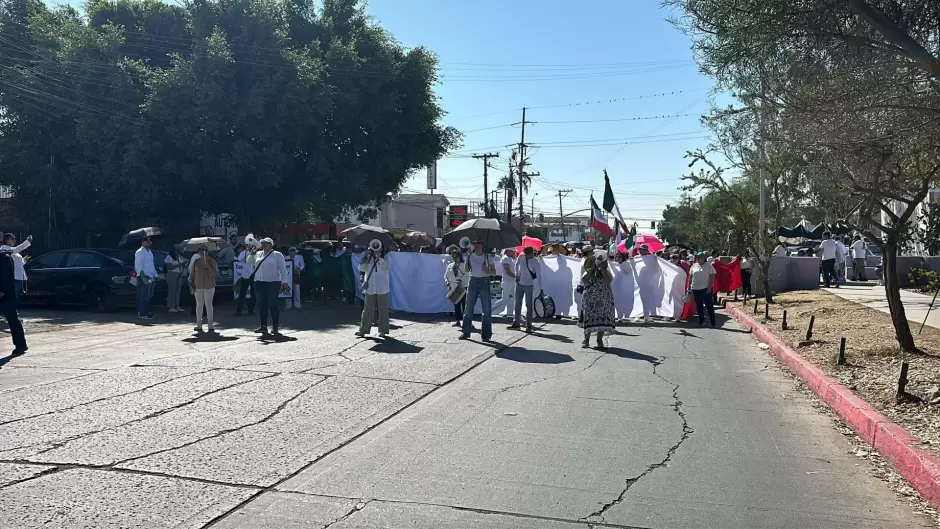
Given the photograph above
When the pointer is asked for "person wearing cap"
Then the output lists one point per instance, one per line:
(528, 283)
(205, 271)
(702, 285)
(146, 275)
(374, 272)
(456, 277)
(297, 262)
(270, 279)
(480, 266)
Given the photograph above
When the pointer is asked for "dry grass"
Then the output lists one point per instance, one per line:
(872, 356)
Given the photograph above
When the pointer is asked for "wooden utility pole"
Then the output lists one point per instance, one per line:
(486, 164)
(521, 172)
(562, 193)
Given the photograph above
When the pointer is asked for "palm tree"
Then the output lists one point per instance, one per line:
(508, 185)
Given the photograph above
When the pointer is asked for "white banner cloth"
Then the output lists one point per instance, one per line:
(417, 285)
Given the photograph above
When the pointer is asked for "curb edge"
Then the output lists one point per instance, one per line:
(920, 467)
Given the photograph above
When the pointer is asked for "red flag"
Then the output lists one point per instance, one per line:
(727, 276)
(599, 221)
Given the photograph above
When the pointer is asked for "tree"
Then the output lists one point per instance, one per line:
(848, 86)
(273, 110)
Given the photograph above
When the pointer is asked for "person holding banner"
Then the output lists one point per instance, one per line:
(597, 300)
(457, 280)
(702, 285)
(480, 268)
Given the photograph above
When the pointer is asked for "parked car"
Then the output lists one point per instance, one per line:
(99, 278)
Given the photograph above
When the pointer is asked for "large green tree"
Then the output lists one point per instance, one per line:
(269, 109)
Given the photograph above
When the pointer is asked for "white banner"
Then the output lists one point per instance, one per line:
(238, 267)
(417, 285)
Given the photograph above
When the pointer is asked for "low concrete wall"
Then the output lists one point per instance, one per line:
(790, 273)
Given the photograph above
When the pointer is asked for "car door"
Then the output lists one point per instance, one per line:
(40, 276)
(80, 269)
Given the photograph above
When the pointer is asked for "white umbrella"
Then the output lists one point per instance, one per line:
(213, 244)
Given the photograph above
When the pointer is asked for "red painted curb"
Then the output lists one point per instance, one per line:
(920, 468)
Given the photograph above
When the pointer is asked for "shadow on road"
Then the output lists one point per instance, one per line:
(533, 356)
(394, 346)
(632, 355)
(687, 334)
(207, 337)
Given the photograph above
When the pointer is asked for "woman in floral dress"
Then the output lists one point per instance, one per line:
(597, 300)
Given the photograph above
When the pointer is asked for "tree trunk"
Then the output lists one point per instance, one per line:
(764, 270)
(902, 329)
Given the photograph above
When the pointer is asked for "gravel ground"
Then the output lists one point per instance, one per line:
(873, 359)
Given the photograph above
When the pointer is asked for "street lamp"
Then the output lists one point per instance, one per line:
(533, 206)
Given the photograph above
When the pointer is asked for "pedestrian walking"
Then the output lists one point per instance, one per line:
(297, 262)
(270, 277)
(19, 262)
(175, 267)
(528, 285)
(457, 280)
(597, 300)
(746, 265)
(702, 285)
(205, 271)
(859, 259)
(829, 250)
(480, 266)
(374, 273)
(9, 303)
(146, 275)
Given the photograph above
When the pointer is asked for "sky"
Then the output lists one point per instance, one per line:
(597, 77)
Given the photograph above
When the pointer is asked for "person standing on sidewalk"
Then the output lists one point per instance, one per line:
(480, 266)
(9, 303)
(746, 265)
(204, 275)
(528, 284)
(457, 279)
(146, 275)
(702, 285)
(175, 265)
(507, 273)
(19, 268)
(374, 272)
(829, 250)
(246, 256)
(859, 259)
(270, 278)
(841, 255)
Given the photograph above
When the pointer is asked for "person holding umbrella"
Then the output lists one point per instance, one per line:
(205, 270)
(270, 278)
(480, 267)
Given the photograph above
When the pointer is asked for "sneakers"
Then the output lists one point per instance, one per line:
(360, 334)
(514, 326)
(262, 330)
(172, 310)
(19, 351)
(586, 344)
(198, 328)
(383, 335)
(463, 337)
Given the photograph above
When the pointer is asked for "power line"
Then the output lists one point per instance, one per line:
(586, 103)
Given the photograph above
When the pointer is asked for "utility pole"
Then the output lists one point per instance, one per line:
(520, 171)
(562, 193)
(486, 164)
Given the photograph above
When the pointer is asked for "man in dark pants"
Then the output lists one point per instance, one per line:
(8, 304)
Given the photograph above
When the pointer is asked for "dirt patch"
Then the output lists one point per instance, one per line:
(872, 355)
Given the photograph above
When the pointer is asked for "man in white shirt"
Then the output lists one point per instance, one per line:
(859, 259)
(19, 268)
(297, 262)
(146, 275)
(528, 284)
(507, 271)
(841, 256)
(829, 251)
(270, 279)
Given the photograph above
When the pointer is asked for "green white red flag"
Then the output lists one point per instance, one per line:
(599, 221)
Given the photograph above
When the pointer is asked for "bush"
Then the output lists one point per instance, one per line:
(925, 280)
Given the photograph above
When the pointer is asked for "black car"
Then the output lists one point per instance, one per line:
(97, 277)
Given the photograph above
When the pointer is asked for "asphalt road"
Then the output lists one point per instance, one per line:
(113, 424)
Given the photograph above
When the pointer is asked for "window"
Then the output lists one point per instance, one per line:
(82, 260)
(50, 260)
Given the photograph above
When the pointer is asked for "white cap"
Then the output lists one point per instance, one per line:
(267, 240)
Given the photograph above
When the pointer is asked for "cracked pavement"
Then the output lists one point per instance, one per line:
(115, 425)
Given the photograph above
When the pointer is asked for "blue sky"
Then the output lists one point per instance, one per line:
(497, 56)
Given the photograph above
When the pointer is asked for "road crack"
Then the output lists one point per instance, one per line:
(356, 508)
(687, 432)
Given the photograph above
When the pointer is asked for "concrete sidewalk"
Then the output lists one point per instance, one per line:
(873, 296)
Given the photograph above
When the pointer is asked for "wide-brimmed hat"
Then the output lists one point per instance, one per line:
(267, 240)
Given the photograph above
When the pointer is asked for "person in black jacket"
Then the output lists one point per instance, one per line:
(8, 304)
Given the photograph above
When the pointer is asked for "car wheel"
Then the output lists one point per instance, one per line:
(100, 299)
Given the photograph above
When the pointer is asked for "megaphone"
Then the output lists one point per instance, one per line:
(252, 242)
(375, 245)
(464, 243)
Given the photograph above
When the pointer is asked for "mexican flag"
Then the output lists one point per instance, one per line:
(599, 222)
(610, 204)
(631, 240)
